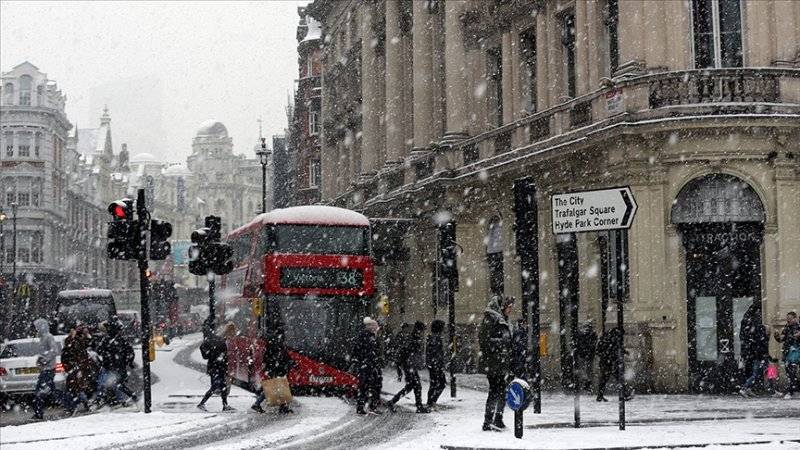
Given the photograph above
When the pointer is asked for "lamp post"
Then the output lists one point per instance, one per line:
(263, 156)
(14, 253)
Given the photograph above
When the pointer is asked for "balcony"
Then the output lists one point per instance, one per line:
(678, 97)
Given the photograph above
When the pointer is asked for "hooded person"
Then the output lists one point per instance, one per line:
(412, 359)
(78, 364)
(215, 349)
(276, 361)
(435, 360)
(496, 344)
(368, 366)
(116, 356)
(46, 361)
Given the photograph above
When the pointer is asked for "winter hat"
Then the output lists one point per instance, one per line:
(370, 323)
(507, 301)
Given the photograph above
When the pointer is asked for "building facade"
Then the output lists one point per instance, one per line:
(468, 115)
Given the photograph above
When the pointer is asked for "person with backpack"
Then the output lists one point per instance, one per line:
(412, 359)
(435, 360)
(496, 342)
(116, 355)
(214, 349)
(790, 337)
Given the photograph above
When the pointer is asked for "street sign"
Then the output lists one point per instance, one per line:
(598, 210)
(516, 394)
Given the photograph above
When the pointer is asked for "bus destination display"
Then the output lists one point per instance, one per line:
(308, 277)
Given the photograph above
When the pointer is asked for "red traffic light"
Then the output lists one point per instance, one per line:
(121, 209)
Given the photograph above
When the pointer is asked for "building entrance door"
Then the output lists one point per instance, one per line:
(723, 280)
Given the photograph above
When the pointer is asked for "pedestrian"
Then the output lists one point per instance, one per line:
(412, 360)
(495, 339)
(748, 331)
(275, 360)
(772, 378)
(435, 360)
(368, 367)
(520, 350)
(790, 337)
(116, 356)
(398, 343)
(46, 362)
(586, 344)
(78, 364)
(215, 350)
(758, 347)
(607, 356)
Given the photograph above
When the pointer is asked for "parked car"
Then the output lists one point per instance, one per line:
(131, 324)
(18, 369)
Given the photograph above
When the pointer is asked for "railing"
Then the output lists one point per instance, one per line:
(710, 86)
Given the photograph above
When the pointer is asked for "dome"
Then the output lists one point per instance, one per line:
(144, 158)
(212, 128)
(177, 170)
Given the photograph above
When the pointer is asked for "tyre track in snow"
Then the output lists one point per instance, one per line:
(349, 432)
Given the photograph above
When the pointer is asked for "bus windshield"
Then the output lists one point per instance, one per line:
(321, 240)
(322, 328)
(88, 310)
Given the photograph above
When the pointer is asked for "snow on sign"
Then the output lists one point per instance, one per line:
(600, 210)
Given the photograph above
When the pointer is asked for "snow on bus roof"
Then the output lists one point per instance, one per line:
(77, 293)
(311, 214)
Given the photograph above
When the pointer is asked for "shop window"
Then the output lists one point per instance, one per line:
(717, 26)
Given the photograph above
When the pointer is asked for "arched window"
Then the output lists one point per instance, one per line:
(494, 255)
(8, 91)
(25, 85)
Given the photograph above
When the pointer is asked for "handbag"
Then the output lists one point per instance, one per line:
(793, 355)
(277, 391)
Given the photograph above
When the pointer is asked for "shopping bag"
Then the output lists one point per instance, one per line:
(277, 391)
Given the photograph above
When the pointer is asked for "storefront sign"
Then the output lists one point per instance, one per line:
(605, 209)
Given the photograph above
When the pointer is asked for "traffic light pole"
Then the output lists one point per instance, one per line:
(211, 313)
(144, 287)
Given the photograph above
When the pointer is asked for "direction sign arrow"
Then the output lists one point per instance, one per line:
(597, 210)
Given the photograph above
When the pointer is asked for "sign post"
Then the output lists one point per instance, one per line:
(518, 396)
(611, 209)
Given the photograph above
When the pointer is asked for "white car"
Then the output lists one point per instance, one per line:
(18, 369)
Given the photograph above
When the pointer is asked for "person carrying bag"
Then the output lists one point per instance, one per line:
(276, 366)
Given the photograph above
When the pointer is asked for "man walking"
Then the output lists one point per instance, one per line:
(434, 359)
(366, 358)
(46, 361)
(116, 355)
(412, 359)
(758, 349)
(607, 355)
(790, 337)
(495, 338)
(215, 350)
(586, 342)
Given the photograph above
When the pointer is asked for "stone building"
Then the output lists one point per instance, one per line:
(306, 124)
(436, 112)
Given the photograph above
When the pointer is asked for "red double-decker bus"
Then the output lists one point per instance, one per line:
(313, 264)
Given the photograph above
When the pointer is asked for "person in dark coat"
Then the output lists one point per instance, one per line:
(215, 349)
(759, 355)
(368, 367)
(412, 359)
(607, 351)
(276, 361)
(748, 330)
(790, 337)
(116, 355)
(78, 364)
(435, 360)
(397, 343)
(495, 339)
(586, 343)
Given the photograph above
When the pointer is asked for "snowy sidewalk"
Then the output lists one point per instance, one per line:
(653, 421)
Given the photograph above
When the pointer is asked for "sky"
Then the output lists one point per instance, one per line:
(162, 68)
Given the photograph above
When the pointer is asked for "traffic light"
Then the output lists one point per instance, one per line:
(160, 231)
(123, 232)
(207, 254)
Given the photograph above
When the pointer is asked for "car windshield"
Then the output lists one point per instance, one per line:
(322, 328)
(322, 240)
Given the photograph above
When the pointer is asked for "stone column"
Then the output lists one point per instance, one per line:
(395, 142)
(371, 95)
(631, 33)
(455, 71)
(508, 77)
(423, 76)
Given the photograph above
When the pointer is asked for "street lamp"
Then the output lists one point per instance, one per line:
(263, 156)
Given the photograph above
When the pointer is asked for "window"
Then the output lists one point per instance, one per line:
(313, 127)
(10, 197)
(528, 57)
(611, 23)
(36, 247)
(494, 256)
(25, 85)
(8, 90)
(309, 65)
(568, 41)
(9, 138)
(37, 139)
(717, 26)
(40, 95)
(494, 77)
(314, 173)
(24, 146)
(24, 198)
